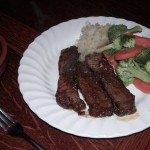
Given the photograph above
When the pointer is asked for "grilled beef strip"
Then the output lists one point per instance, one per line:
(99, 103)
(123, 100)
(67, 92)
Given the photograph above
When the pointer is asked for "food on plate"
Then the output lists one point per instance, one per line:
(103, 91)
(142, 41)
(104, 60)
(127, 53)
(123, 100)
(141, 85)
(67, 93)
(147, 66)
(143, 57)
(92, 36)
(121, 44)
(129, 69)
(96, 97)
(118, 38)
(118, 44)
(116, 31)
(132, 72)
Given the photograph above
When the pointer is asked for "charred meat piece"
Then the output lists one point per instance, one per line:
(67, 93)
(123, 100)
(99, 103)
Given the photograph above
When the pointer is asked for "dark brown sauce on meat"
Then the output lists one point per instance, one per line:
(103, 91)
(123, 100)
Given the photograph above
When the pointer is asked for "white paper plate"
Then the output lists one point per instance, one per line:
(38, 76)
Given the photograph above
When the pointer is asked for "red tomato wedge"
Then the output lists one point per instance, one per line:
(145, 42)
(111, 60)
(141, 85)
(128, 53)
(141, 41)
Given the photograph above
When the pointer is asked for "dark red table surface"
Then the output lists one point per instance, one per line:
(23, 20)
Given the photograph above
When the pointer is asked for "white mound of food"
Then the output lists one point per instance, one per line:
(92, 36)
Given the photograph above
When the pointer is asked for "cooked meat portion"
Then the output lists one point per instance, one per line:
(67, 92)
(97, 99)
(123, 100)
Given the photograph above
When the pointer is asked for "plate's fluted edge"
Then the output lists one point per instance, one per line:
(70, 131)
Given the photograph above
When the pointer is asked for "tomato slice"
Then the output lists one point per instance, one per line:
(128, 53)
(111, 60)
(141, 41)
(141, 85)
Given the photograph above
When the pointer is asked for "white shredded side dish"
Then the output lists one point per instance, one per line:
(92, 36)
